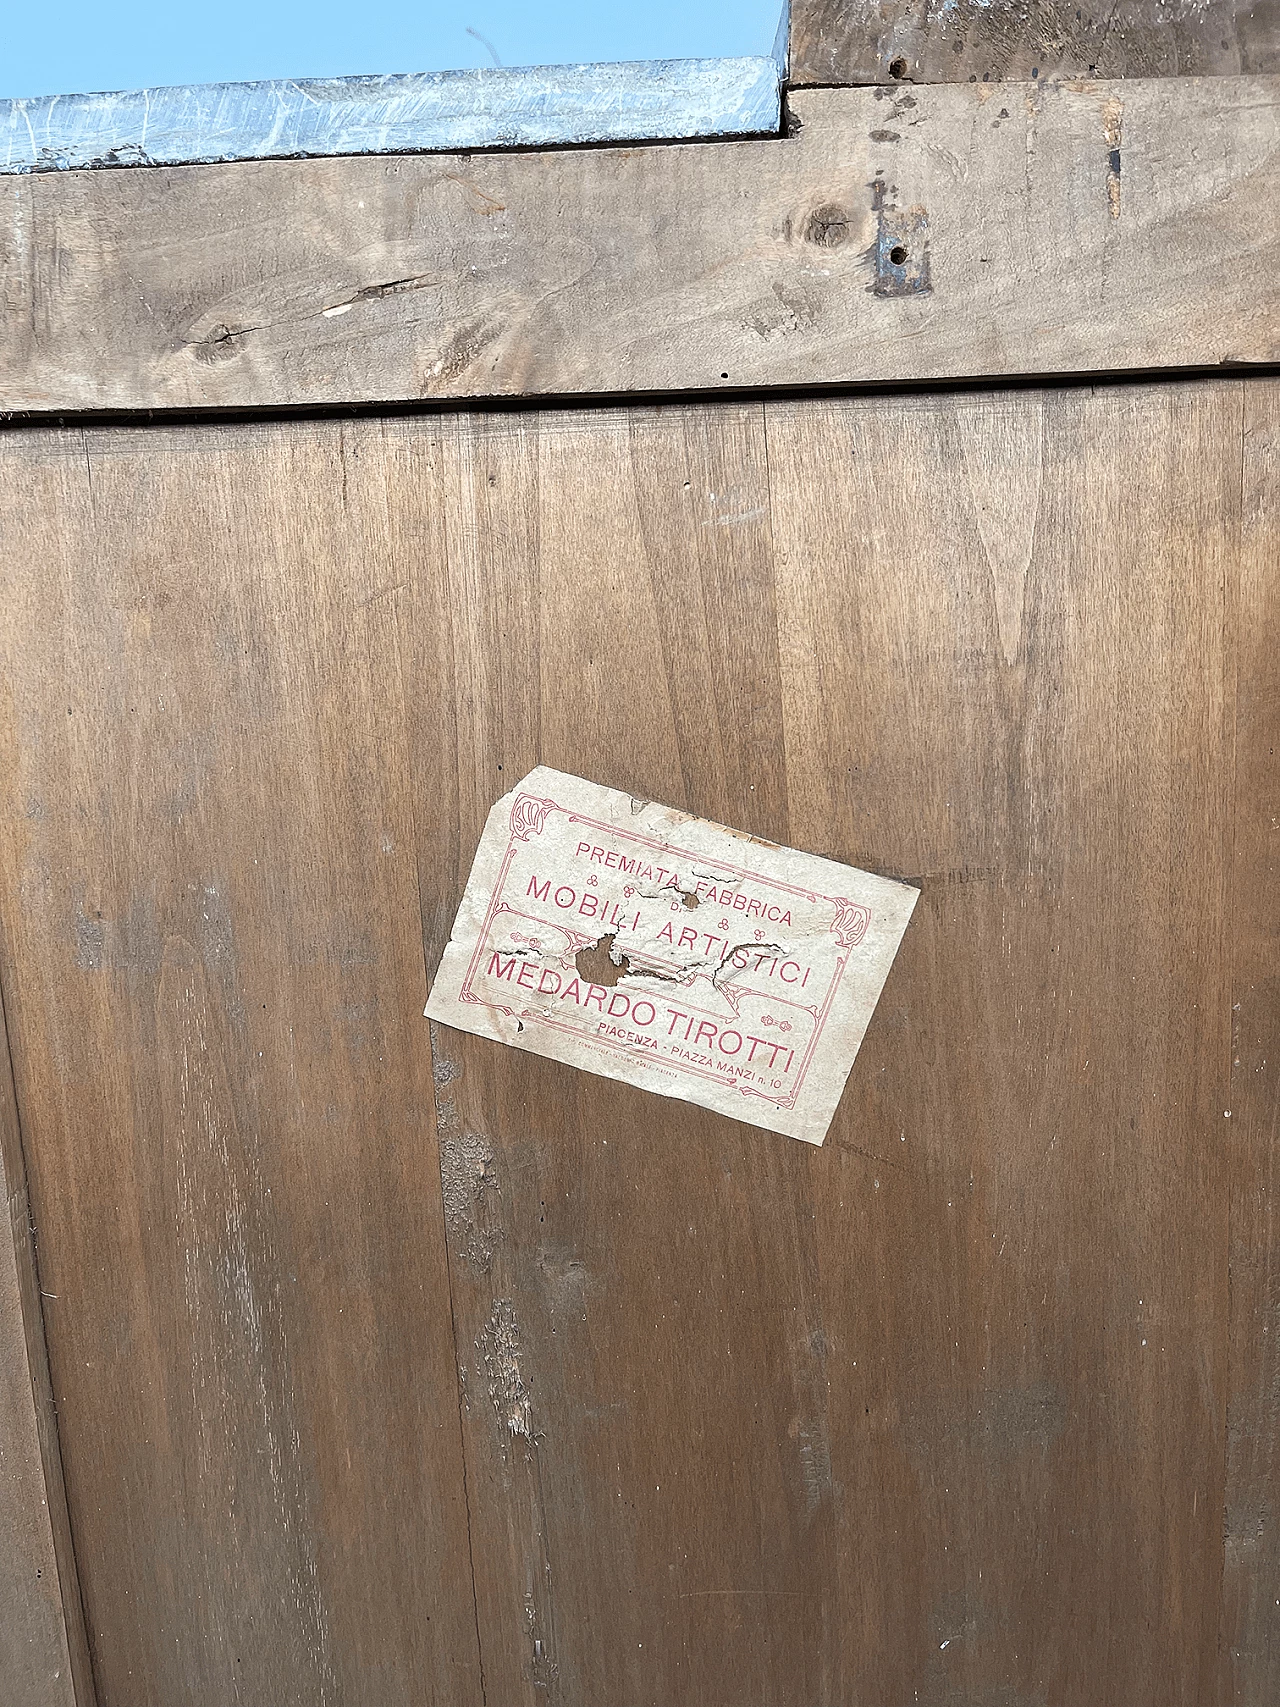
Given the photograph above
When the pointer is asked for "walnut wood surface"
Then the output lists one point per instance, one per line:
(214, 978)
(977, 1402)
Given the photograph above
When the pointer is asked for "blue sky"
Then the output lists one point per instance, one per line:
(81, 46)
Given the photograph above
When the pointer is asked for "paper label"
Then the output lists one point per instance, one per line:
(633, 940)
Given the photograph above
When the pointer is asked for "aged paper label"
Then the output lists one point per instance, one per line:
(633, 940)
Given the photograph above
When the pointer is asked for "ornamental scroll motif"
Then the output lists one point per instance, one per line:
(528, 815)
(850, 923)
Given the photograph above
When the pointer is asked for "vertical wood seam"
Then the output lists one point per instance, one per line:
(1231, 620)
(1232, 613)
(773, 567)
(444, 1229)
(462, 1439)
(26, 1252)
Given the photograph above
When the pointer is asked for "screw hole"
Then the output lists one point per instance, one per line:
(897, 254)
(897, 68)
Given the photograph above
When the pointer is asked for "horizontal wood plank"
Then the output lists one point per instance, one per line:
(975, 41)
(901, 235)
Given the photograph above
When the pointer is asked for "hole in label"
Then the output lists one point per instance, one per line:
(597, 965)
(897, 254)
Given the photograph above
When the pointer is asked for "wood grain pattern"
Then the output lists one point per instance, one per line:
(939, 232)
(616, 1401)
(216, 975)
(634, 1432)
(939, 1413)
(37, 1587)
(1251, 1612)
(891, 41)
(1033, 1438)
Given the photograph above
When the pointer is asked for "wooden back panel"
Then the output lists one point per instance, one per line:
(976, 1403)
